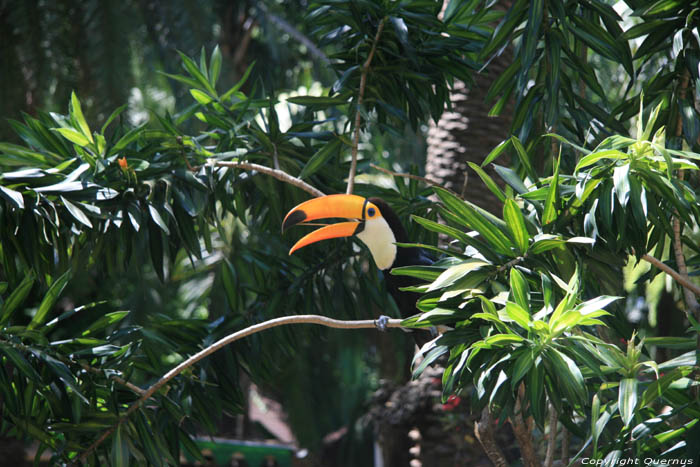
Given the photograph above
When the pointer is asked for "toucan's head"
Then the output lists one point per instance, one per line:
(370, 219)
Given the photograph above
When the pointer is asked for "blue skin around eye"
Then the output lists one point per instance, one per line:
(370, 212)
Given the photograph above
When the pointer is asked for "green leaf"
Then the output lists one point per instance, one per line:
(155, 215)
(14, 154)
(15, 198)
(595, 304)
(522, 366)
(476, 220)
(20, 362)
(534, 389)
(511, 178)
(594, 157)
(427, 273)
(627, 399)
(550, 209)
(520, 289)
(518, 314)
(196, 73)
(104, 321)
(524, 158)
(317, 100)
(320, 158)
(496, 152)
(516, 225)
(77, 114)
(76, 212)
(114, 115)
(239, 84)
(657, 388)
(569, 376)
(499, 340)
(454, 273)
(201, 96)
(488, 181)
(16, 297)
(622, 184)
(215, 65)
(120, 448)
(49, 300)
(73, 136)
(130, 136)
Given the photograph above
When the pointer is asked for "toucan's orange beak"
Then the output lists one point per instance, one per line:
(325, 207)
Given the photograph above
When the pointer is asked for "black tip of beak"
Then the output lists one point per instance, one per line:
(293, 219)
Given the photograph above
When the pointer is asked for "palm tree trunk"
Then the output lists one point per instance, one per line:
(467, 134)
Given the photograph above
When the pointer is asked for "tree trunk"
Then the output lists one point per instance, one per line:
(467, 134)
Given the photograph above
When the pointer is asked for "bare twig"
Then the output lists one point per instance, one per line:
(690, 300)
(293, 32)
(483, 430)
(465, 185)
(285, 320)
(565, 446)
(115, 378)
(676, 276)
(278, 174)
(358, 115)
(552, 441)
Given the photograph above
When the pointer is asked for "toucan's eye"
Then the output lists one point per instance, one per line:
(370, 212)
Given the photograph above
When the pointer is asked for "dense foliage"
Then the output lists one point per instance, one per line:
(126, 248)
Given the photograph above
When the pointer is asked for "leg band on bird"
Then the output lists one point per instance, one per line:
(381, 322)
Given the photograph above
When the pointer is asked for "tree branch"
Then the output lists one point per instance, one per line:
(523, 435)
(677, 277)
(295, 33)
(552, 441)
(278, 174)
(358, 115)
(285, 320)
(483, 430)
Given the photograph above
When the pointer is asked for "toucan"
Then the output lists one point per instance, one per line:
(377, 226)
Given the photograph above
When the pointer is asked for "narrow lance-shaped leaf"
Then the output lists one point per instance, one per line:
(215, 65)
(550, 210)
(520, 289)
(320, 158)
(518, 314)
(516, 225)
(15, 198)
(49, 300)
(627, 399)
(16, 297)
(488, 181)
(77, 114)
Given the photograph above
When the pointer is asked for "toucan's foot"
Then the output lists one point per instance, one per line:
(381, 322)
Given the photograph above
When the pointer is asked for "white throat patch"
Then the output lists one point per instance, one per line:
(380, 240)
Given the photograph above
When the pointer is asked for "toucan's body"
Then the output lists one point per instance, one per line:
(376, 224)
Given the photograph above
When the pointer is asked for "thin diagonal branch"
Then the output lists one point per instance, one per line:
(483, 430)
(295, 33)
(278, 174)
(285, 320)
(552, 437)
(360, 98)
(676, 276)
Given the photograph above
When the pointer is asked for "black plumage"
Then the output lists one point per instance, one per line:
(413, 256)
